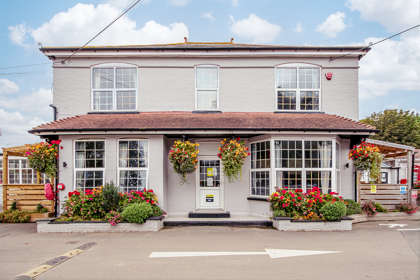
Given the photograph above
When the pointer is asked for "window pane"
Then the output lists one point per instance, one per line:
(132, 180)
(133, 153)
(288, 154)
(103, 78)
(102, 100)
(204, 165)
(309, 100)
(309, 78)
(320, 179)
(206, 78)
(260, 155)
(286, 78)
(286, 100)
(206, 99)
(289, 179)
(260, 183)
(126, 77)
(126, 100)
(89, 179)
(90, 154)
(318, 154)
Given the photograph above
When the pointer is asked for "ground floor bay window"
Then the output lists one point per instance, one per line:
(295, 164)
(89, 163)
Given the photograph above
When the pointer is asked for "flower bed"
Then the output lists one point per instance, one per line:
(289, 224)
(52, 225)
(101, 205)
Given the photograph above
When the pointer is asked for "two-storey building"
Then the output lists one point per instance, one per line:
(119, 109)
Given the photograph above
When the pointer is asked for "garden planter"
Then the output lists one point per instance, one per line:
(288, 224)
(50, 225)
(38, 216)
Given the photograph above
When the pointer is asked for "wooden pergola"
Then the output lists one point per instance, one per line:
(27, 196)
(389, 195)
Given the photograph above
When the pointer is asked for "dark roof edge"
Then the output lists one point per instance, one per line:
(203, 47)
(368, 130)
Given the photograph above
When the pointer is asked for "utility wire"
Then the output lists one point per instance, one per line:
(134, 3)
(378, 42)
(24, 65)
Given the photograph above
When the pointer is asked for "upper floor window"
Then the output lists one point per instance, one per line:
(206, 87)
(298, 88)
(114, 88)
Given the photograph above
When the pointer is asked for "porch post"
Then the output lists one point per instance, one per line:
(5, 178)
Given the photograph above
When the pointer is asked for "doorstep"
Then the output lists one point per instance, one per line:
(208, 214)
(239, 221)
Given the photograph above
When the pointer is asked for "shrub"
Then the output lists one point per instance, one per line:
(369, 207)
(113, 218)
(111, 198)
(14, 216)
(147, 196)
(352, 207)
(407, 208)
(87, 205)
(137, 212)
(333, 211)
(380, 208)
(14, 206)
(41, 209)
(279, 213)
(288, 203)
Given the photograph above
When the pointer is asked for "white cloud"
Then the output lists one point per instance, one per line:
(393, 65)
(332, 25)
(8, 86)
(18, 115)
(394, 15)
(208, 16)
(179, 2)
(255, 29)
(79, 23)
(235, 3)
(298, 28)
(18, 34)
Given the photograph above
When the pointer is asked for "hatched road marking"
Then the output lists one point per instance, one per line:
(54, 262)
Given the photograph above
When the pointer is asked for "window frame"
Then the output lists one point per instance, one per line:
(20, 169)
(298, 91)
(197, 89)
(132, 168)
(270, 190)
(273, 169)
(114, 89)
(75, 169)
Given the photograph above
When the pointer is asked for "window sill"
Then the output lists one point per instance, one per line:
(299, 112)
(257, 198)
(206, 112)
(114, 112)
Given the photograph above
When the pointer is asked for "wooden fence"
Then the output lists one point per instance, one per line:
(388, 195)
(27, 197)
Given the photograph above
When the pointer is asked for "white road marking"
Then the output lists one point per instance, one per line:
(413, 229)
(394, 225)
(273, 253)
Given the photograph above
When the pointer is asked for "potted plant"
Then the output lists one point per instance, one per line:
(183, 156)
(233, 153)
(368, 158)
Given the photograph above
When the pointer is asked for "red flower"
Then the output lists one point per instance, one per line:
(150, 190)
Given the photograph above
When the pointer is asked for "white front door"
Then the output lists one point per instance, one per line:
(209, 184)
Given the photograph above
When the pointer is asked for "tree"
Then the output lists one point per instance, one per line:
(396, 126)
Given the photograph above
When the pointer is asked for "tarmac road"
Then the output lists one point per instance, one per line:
(370, 251)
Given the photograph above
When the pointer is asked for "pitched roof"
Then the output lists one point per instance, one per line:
(173, 121)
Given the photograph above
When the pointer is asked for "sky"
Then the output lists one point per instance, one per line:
(389, 75)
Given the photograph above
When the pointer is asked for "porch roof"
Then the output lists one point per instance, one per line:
(213, 121)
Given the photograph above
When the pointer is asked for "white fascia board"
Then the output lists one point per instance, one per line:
(64, 54)
(198, 132)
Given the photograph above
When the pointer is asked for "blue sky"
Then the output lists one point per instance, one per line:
(389, 74)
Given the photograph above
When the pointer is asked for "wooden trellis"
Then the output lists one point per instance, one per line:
(27, 196)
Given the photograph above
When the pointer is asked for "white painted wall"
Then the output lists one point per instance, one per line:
(246, 84)
(180, 198)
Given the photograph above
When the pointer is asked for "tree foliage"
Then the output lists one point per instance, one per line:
(396, 126)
